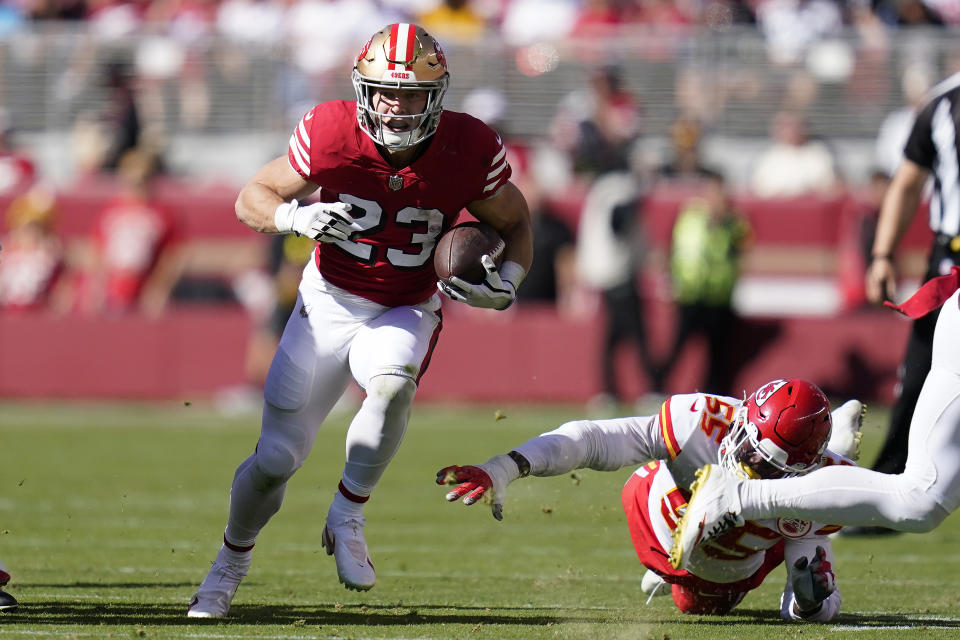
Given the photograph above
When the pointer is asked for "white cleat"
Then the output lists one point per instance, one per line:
(713, 509)
(846, 435)
(345, 542)
(654, 586)
(213, 598)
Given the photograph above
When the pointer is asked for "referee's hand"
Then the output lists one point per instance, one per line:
(881, 280)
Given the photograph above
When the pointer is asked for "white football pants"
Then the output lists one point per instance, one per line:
(916, 500)
(331, 337)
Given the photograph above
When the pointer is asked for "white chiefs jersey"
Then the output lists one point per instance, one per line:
(691, 428)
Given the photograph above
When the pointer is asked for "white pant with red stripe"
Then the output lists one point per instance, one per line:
(333, 336)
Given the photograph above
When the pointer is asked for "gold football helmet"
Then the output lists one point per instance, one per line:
(400, 56)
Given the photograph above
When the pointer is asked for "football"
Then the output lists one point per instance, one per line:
(459, 251)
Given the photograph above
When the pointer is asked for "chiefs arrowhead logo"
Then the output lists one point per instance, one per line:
(763, 393)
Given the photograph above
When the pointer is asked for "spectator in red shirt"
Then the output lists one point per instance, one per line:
(137, 260)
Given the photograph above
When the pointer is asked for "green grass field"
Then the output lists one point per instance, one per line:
(111, 514)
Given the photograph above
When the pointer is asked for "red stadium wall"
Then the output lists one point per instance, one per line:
(526, 356)
(535, 356)
(185, 351)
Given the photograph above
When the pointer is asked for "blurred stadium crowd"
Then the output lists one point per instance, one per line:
(127, 127)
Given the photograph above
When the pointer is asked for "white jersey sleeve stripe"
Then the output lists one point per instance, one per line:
(303, 136)
(496, 158)
(503, 165)
(297, 154)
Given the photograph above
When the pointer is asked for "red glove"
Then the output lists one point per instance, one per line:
(472, 482)
(488, 480)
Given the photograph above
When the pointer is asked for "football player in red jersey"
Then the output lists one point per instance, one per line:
(782, 429)
(392, 171)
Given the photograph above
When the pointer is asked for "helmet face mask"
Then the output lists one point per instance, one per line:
(400, 57)
(781, 430)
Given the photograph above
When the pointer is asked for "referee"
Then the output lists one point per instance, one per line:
(931, 149)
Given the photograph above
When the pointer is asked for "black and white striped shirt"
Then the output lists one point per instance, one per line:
(934, 143)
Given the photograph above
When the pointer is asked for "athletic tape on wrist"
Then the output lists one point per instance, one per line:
(512, 272)
(283, 216)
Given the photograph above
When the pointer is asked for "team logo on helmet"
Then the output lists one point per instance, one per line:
(366, 50)
(763, 393)
(441, 57)
(793, 527)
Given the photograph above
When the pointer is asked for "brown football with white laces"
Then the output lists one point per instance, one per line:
(459, 250)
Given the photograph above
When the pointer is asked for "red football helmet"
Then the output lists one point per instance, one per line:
(781, 430)
(400, 56)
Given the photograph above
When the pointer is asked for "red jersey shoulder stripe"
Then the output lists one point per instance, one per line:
(666, 426)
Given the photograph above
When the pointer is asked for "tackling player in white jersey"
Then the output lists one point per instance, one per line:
(783, 428)
(393, 170)
(917, 500)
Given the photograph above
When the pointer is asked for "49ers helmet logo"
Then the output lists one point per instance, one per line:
(365, 51)
(441, 58)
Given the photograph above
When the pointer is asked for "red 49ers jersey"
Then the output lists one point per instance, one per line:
(692, 427)
(398, 214)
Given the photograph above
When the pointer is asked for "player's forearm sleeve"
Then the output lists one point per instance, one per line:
(603, 445)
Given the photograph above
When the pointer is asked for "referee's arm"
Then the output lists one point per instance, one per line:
(899, 206)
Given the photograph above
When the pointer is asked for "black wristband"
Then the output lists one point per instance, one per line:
(522, 463)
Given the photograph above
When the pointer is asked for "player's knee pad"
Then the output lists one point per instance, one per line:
(699, 602)
(287, 386)
(273, 465)
(392, 391)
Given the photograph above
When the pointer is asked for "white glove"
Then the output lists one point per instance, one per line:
(497, 291)
(813, 581)
(474, 481)
(322, 221)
